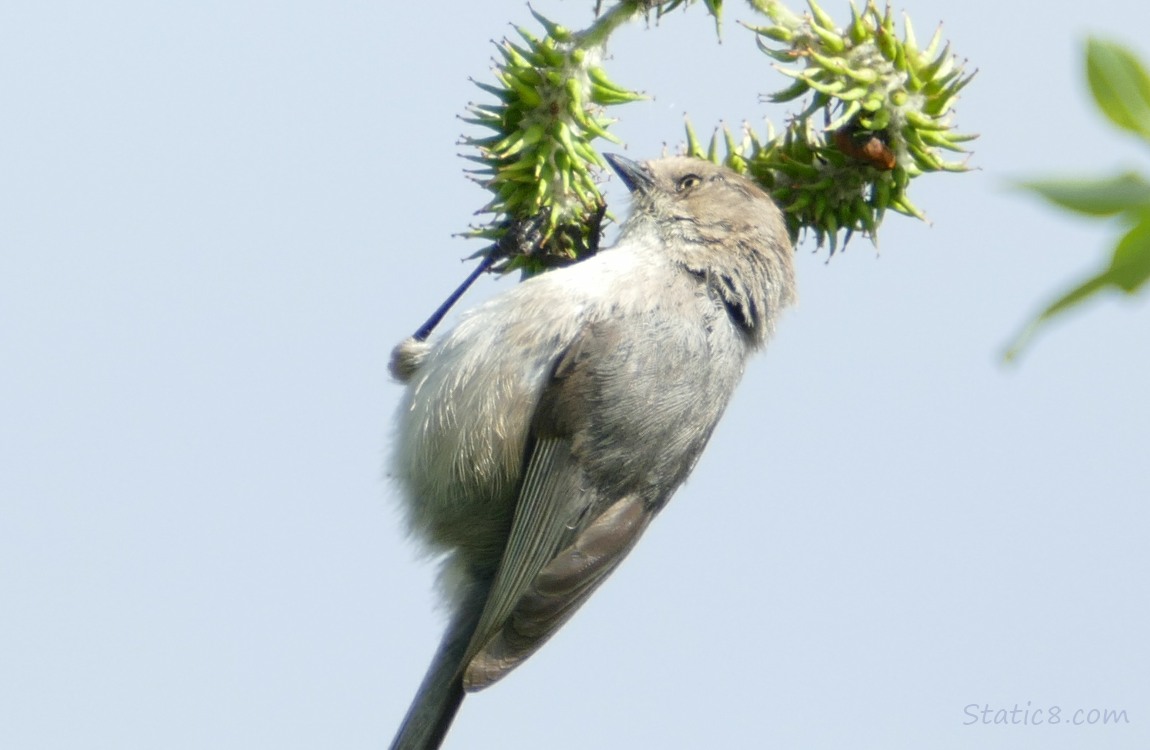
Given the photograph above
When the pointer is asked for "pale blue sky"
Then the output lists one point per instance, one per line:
(216, 218)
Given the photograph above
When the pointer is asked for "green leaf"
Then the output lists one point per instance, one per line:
(1105, 196)
(1120, 84)
(1130, 266)
(1129, 270)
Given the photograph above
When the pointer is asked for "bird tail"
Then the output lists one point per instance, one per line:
(441, 692)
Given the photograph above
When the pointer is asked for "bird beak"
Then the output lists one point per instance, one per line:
(634, 175)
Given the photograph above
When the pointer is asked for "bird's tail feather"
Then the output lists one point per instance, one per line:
(441, 692)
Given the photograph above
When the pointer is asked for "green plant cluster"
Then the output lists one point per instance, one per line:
(1120, 84)
(538, 160)
(879, 115)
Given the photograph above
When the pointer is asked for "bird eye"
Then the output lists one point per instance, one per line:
(688, 182)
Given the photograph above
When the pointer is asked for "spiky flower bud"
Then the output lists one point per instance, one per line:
(548, 108)
(879, 115)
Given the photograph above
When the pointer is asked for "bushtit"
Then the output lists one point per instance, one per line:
(538, 438)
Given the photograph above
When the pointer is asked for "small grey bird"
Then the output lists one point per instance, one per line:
(539, 438)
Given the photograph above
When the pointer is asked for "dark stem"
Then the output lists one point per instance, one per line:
(429, 326)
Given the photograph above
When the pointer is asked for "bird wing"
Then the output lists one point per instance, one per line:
(565, 537)
(558, 589)
(618, 425)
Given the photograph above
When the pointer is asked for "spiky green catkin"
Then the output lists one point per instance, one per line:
(879, 115)
(549, 100)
